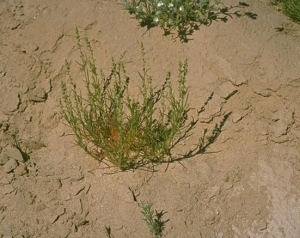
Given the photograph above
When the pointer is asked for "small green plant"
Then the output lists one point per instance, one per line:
(174, 14)
(128, 132)
(289, 7)
(153, 219)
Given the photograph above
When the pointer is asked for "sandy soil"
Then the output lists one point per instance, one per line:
(246, 185)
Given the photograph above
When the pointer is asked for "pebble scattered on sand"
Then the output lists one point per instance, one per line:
(11, 103)
(14, 153)
(10, 165)
(37, 95)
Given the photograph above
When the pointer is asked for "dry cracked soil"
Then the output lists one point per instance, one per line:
(246, 184)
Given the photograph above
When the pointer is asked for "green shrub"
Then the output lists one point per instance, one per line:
(292, 9)
(113, 126)
(289, 7)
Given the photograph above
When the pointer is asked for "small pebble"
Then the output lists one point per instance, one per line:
(14, 153)
(3, 159)
(21, 170)
(236, 117)
(37, 95)
(10, 165)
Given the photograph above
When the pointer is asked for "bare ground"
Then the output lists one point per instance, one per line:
(247, 184)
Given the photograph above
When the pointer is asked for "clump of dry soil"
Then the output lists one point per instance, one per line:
(246, 185)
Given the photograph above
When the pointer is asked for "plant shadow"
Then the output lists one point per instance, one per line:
(205, 141)
(18, 145)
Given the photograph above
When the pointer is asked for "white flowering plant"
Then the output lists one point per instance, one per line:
(183, 15)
